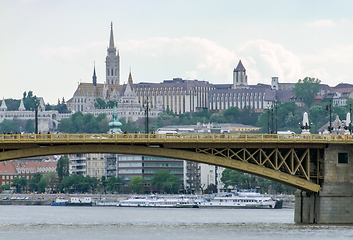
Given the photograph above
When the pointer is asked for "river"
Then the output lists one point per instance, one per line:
(46, 222)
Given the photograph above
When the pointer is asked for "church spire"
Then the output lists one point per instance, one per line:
(94, 78)
(3, 106)
(112, 62)
(111, 42)
(130, 78)
(111, 49)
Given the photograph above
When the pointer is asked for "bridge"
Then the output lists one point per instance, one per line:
(305, 161)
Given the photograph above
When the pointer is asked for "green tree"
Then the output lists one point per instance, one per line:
(19, 183)
(10, 126)
(163, 180)
(29, 127)
(231, 115)
(4, 187)
(100, 103)
(51, 178)
(306, 89)
(34, 182)
(137, 184)
(113, 184)
(62, 168)
(104, 183)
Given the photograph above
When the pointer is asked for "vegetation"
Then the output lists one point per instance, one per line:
(79, 123)
(307, 89)
(239, 180)
(62, 168)
(166, 182)
(101, 104)
(137, 184)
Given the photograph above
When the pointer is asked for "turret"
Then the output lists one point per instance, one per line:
(112, 62)
(239, 76)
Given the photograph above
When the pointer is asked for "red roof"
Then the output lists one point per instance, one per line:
(7, 167)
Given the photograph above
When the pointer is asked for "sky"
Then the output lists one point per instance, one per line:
(49, 46)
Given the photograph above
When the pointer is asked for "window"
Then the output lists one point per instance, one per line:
(342, 157)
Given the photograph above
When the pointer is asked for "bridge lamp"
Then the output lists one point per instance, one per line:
(36, 106)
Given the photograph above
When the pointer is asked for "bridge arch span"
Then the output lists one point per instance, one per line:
(261, 171)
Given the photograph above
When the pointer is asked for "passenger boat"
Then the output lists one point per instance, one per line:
(77, 201)
(240, 200)
(158, 202)
(59, 202)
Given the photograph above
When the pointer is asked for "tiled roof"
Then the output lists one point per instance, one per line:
(7, 167)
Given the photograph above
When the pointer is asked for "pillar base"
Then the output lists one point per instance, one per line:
(333, 205)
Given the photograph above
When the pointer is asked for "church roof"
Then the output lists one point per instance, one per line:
(240, 67)
(3, 105)
(22, 106)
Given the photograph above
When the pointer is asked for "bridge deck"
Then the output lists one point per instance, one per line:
(177, 138)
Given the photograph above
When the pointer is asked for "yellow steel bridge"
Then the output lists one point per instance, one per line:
(295, 160)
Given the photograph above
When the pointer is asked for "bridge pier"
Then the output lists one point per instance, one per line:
(334, 202)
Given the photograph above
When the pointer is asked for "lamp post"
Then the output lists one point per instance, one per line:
(329, 109)
(36, 105)
(145, 106)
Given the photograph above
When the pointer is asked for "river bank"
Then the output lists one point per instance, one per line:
(47, 199)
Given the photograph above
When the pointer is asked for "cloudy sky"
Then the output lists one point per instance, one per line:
(49, 46)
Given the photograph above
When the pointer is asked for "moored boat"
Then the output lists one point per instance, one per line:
(240, 200)
(159, 202)
(60, 202)
(77, 201)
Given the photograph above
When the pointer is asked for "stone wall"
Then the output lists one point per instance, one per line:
(334, 203)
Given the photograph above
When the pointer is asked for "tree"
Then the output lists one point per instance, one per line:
(34, 182)
(231, 115)
(114, 184)
(62, 168)
(306, 89)
(29, 127)
(19, 183)
(51, 178)
(166, 181)
(8, 126)
(137, 184)
(104, 183)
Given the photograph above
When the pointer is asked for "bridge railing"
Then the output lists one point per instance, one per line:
(193, 137)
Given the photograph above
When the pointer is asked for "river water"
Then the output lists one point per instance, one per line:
(46, 222)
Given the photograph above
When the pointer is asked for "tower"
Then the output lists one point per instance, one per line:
(274, 83)
(112, 62)
(94, 78)
(239, 76)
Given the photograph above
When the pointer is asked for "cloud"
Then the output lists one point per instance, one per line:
(321, 23)
(264, 59)
(68, 52)
(194, 57)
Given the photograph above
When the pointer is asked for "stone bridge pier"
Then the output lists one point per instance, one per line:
(333, 204)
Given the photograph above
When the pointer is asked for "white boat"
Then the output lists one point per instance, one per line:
(60, 201)
(240, 200)
(158, 202)
(77, 201)
(134, 201)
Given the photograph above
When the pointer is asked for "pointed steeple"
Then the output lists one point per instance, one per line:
(111, 49)
(3, 106)
(112, 62)
(240, 67)
(240, 79)
(94, 78)
(130, 78)
(111, 42)
(22, 106)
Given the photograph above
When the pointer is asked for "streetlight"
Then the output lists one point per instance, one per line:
(36, 105)
(329, 109)
(146, 107)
